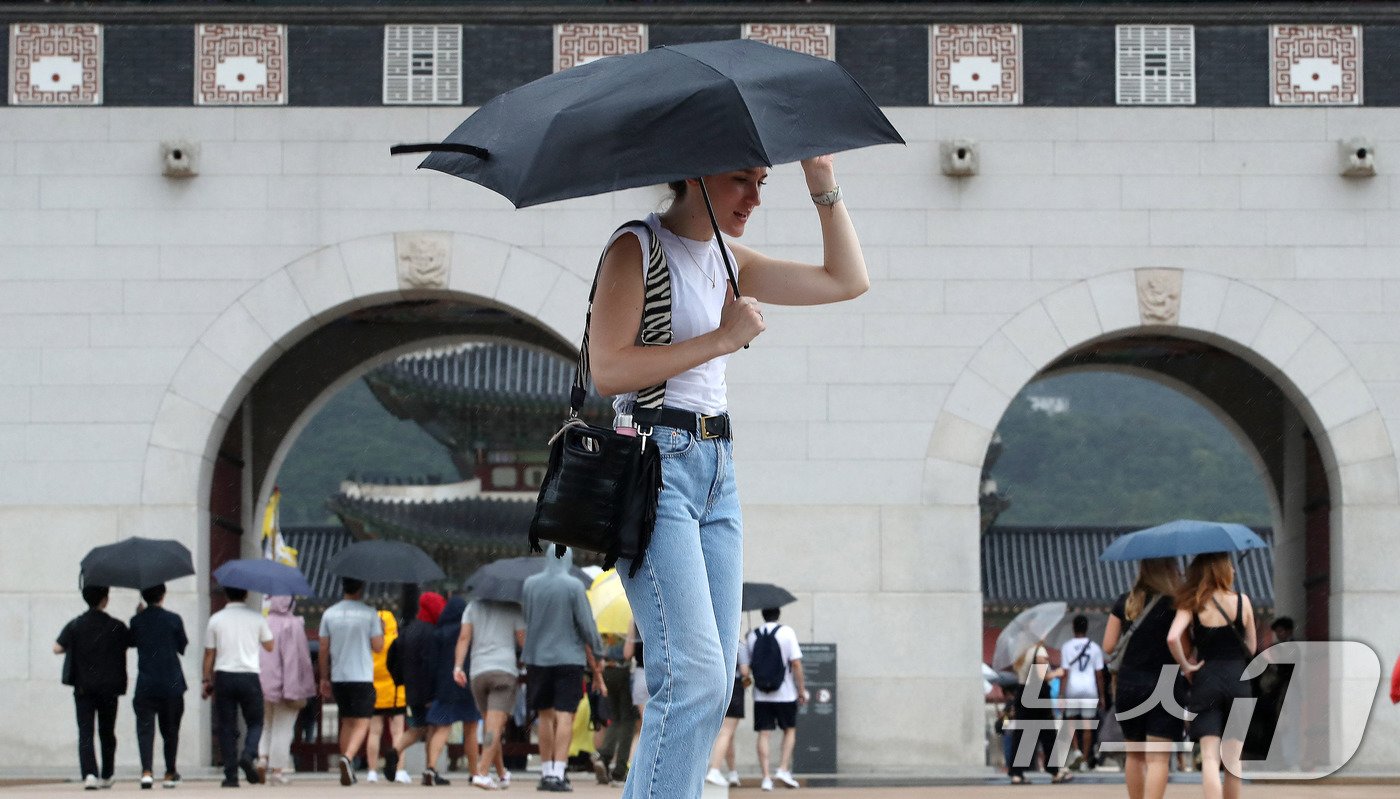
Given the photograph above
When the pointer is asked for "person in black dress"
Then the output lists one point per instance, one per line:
(1035, 714)
(1220, 625)
(1145, 615)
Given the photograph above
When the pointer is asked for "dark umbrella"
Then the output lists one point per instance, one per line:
(385, 561)
(758, 596)
(136, 563)
(504, 580)
(1183, 537)
(667, 114)
(264, 576)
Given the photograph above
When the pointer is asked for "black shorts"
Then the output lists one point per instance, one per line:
(1214, 690)
(355, 700)
(554, 687)
(417, 716)
(1157, 722)
(390, 711)
(767, 715)
(736, 702)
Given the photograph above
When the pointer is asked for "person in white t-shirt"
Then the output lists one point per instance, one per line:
(1082, 660)
(232, 666)
(776, 708)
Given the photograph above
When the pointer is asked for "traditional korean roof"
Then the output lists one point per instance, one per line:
(1024, 566)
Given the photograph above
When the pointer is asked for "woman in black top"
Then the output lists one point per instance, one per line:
(1221, 625)
(1145, 613)
(1035, 714)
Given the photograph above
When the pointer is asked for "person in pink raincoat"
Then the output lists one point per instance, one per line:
(287, 682)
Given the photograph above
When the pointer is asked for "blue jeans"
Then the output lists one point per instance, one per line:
(685, 599)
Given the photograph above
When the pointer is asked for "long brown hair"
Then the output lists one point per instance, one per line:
(1156, 577)
(1208, 573)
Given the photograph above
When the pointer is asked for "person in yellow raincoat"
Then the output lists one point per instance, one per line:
(388, 704)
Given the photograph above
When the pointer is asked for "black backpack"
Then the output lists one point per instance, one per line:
(767, 664)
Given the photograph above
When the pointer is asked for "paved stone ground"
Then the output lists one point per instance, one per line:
(321, 786)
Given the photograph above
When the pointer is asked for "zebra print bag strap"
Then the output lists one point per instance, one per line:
(655, 330)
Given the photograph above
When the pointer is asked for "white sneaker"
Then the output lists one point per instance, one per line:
(715, 777)
(107, 783)
(766, 785)
(504, 780)
(372, 776)
(485, 782)
(90, 782)
(403, 778)
(734, 779)
(785, 777)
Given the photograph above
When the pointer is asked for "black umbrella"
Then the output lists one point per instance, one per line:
(136, 563)
(385, 561)
(504, 580)
(264, 576)
(758, 596)
(667, 114)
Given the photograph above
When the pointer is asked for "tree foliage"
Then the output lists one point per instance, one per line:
(1129, 451)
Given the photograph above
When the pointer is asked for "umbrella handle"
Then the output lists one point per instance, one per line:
(723, 251)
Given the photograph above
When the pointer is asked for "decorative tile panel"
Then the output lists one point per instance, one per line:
(1156, 65)
(975, 64)
(580, 42)
(818, 39)
(1316, 64)
(423, 65)
(240, 65)
(55, 64)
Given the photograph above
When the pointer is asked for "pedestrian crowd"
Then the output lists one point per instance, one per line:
(453, 662)
(1166, 675)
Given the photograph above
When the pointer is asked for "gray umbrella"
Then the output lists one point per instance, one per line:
(504, 580)
(136, 563)
(386, 562)
(1026, 630)
(667, 114)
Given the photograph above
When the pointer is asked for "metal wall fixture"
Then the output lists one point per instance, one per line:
(958, 157)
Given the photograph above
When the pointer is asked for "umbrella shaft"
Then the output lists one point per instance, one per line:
(723, 251)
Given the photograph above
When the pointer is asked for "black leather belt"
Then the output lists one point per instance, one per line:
(698, 423)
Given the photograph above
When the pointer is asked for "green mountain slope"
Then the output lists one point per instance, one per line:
(1129, 451)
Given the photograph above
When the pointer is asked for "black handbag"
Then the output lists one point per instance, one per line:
(601, 488)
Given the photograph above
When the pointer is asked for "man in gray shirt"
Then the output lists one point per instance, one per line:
(493, 632)
(350, 632)
(560, 639)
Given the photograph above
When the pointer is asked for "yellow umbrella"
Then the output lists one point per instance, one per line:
(609, 604)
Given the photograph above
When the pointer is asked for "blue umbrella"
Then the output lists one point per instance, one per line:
(264, 576)
(1183, 537)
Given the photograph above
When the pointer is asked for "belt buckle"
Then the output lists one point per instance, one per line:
(705, 433)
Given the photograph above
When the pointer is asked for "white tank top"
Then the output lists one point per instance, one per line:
(698, 289)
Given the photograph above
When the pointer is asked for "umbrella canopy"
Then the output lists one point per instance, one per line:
(136, 563)
(1183, 537)
(1064, 630)
(667, 114)
(1026, 630)
(386, 562)
(504, 580)
(758, 596)
(264, 576)
(609, 603)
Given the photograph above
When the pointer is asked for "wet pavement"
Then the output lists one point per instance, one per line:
(585, 788)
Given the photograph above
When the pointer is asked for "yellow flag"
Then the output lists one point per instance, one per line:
(273, 545)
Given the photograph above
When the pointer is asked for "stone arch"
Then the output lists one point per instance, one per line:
(1260, 328)
(221, 367)
(1352, 439)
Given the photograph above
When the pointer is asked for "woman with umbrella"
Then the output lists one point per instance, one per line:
(1139, 623)
(1220, 625)
(693, 568)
